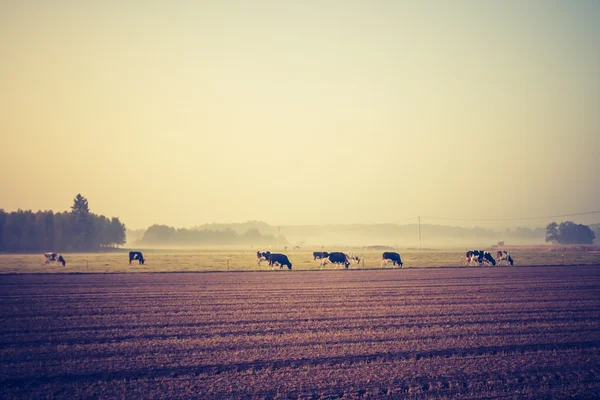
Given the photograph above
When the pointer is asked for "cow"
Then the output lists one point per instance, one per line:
(353, 257)
(55, 257)
(469, 255)
(320, 255)
(393, 257)
(50, 257)
(480, 256)
(281, 259)
(262, 256)
(136, 255)
(502, 255)
(474, 256)
(337, 258)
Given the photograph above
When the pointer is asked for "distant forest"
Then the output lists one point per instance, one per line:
(163, 235)
(45, 231)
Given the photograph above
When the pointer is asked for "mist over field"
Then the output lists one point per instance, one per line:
(260, 234)
(301, 114)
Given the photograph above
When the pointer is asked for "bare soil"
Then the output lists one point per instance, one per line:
(527, 332)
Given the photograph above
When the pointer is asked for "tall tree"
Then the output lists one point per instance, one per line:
(80, 206)
(117, 232)
(83, 229)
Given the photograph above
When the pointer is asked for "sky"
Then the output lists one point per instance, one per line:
(314, 112)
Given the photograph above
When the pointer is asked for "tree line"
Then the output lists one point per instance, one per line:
(165, 235)
(44, 231)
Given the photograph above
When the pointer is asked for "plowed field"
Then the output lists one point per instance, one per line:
(527, 332)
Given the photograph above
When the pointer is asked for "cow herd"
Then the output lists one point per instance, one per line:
(337, 258)
(480, 257)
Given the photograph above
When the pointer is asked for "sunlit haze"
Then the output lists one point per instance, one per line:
(316, 112)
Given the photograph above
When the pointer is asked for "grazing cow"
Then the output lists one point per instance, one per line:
(474, 256)
(281, 259)
(55, 257)
(136, 255)
(337, 258)
(480, 256)
(469, 255)
(502, 255)
(393, 257)
(262, 256)
(489, 258)
(320, 255)
(352, 257)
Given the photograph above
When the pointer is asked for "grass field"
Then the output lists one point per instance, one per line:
(517, 333)
(245, 260)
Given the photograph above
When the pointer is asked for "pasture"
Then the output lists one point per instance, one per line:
(513, 332)
(238, 259)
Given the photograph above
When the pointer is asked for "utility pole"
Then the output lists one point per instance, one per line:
(419, 232)
(278, 231)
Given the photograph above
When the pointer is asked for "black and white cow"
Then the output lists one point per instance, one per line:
(55, 257)
(393, 257)
(469, 256)
(480, 257)
(136, 255)
(281, 259)
(489, 258)
(262, 256)
(502, 255)
(319, 255)
(337, 258)
(353, 257)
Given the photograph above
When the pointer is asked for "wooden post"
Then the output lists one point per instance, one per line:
(227, 263)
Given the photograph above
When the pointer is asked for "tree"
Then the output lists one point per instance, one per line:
(2, 220)
(83, 229)
(80, 206)
(117, 232)
(552, 235)
(158, 234)
(569, 233)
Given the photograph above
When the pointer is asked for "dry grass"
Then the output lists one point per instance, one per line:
(245, 260)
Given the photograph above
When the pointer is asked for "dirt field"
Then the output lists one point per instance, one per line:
(245, 260)
(420, 333)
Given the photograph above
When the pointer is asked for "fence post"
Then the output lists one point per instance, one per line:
(227, 263)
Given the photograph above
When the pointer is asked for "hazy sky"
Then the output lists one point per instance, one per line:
(186, 112)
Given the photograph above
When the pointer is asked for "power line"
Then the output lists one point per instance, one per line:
(513, 219)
